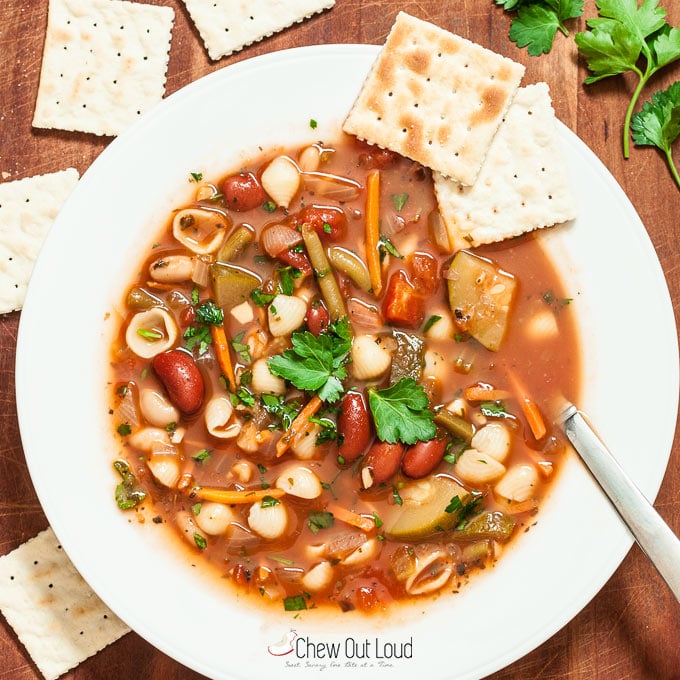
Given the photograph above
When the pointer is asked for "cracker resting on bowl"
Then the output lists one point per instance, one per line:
(523, 184)
(53, 611)
(104, 64)
(434, 97)
(226, 26)
(27, 209)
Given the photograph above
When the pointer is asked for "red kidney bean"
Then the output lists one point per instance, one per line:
(423, 457)
(181, 378)
(327, 220)
(354, 426)
(317, 317)
(384, 459)
(243, 192)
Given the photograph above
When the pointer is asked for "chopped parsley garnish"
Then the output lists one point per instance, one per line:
(196, 508)
(399, 201)
(269, 502)
(396, 497)
(494, 409)
(196, 177)
(294, 603)
(431, 322)
(320, 520)
(269, 206)
(124, 429)
(316, 363)
(287, 276)
(261, 299)
(197, 337)
(245, 396)
(312, 123)
(200, 541)
(241, 348)
(401, 413)
(468, 509)
(388, 246)
(329, 429)
(276, 406)
(202, 455)
(149, 334)
(128, 494)
(209, 313)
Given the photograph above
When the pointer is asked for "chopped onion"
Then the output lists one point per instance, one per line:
(331, 186)
(278, 237)
(201, 273)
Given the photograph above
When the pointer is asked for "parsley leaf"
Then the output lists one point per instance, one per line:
(209, 313)
(401, 413)
(622, 37)
(316, 363)
(537, 21)
(320, 520)
(658, 123)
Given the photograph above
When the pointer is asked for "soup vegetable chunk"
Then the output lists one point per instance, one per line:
(325, 402)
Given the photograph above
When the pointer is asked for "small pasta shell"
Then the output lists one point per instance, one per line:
(263, 381)
(493, 439)
(243, 470)
(165, 469)
(366, 552)
(443, 328)
(318, 577)
(218, 418)
(300, 481)
(304, 445)
(435, 365)
(200, 231)
(518, 484)
(370, 357)
(151, 332)
(541, 326)
(281, 180)
(172, 269)
(428, 578)
(309, 159)
(157, 408)
(285, 314)
(189, 529)
(214, 518)
(476, 467)
(270, 522)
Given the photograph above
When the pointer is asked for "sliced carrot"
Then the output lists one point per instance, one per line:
(373, 230)
(529, 407)
(299, 425)
(234, 497)
(352, 518)
(221, 345)
(482, 392)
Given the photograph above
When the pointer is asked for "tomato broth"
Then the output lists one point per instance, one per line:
(426, 402)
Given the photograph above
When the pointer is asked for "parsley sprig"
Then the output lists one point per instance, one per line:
(537, 21)
(316, 363)
(623, 36)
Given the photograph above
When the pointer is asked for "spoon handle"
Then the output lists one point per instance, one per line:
(653, 535)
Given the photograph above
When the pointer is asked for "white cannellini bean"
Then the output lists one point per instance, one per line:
(270, 522)
(151, 332)
(366, 552)
(300, 481)
(215, 518)
(243, 313)
(304, 445)
(318, 577)
(518, 483)
(541, 326)
(157, 408)
(172, 269)
(476, 467)
(264, 381)
(370, 357)
(188, 527)
(147, 438)
(493, 439)
(285, 314)
(309, 159)
(435, 365)
(201, 231)
(218, 418)
(165, 469)
(281, 180)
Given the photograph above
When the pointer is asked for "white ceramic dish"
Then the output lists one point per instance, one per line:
(610, 268)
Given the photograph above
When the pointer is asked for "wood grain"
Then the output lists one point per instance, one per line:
(631, 629)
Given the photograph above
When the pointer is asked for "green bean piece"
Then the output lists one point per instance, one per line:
(457, 426)
(493, 525)
(351, 264)
(236, 243)
(139, 299)
(324, 273)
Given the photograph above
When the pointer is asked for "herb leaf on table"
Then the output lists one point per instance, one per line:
(658, 124)
(622, 35)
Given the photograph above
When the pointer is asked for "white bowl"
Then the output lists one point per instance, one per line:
(609, 267)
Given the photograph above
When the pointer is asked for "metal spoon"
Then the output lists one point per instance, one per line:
(652, 534)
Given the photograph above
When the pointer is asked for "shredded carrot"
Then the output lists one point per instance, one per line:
(160, 286)
(352, 518)
(234, 497)
(529, 408)
(481, 392)
(221, 344)
(373, 230)
(299, 425)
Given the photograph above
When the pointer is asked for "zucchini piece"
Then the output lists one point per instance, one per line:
(495, 525)
(481, 297)
(421, 518)
(231, 284)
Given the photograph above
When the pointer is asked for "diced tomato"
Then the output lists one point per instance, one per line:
(327, 220)
(423, 268)
(403, 305)
(297, 259)
(367, 598)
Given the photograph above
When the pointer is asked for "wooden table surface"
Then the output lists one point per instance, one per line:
(631, 629)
